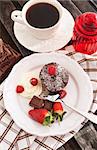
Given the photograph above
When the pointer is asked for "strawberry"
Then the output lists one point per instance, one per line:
(52, 70)
(34, 81)
(62, 94)
(19, 89)
(58, 111)
(42, 116)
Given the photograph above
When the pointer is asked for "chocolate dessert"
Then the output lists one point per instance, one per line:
(37, 103)
(54, 77)
(8, 57)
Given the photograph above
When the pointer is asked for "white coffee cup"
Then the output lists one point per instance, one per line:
(40, 33)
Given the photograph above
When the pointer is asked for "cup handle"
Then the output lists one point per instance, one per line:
(17, 16)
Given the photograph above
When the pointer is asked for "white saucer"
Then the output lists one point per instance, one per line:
(59, 40)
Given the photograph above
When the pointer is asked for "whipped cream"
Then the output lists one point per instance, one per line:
(29, 89)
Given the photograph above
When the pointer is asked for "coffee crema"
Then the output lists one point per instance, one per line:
(42, 15)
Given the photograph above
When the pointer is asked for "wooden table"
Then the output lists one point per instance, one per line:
(76, 7)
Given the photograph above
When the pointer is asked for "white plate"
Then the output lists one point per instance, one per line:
(59, 40)
(79, 94)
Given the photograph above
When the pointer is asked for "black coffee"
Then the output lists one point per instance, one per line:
(42, 15)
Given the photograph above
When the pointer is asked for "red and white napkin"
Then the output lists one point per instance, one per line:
(14, 138)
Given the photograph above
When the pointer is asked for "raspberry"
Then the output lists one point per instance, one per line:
(62, 93)
(52, 70)
(19, 89)
(34, 81)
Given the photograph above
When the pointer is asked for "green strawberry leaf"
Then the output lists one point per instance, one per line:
(48, 120)
(58, 116)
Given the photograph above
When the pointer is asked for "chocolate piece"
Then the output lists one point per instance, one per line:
(36, 102)
(41, 103)
(48, 104)
(8, 57)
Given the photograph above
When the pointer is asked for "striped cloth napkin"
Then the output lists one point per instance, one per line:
(14, 138)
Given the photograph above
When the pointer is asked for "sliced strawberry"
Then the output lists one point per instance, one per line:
(42, 116)
(34, 81)
(19, 89)
(62, 94)
(58, 111)
(57, 107)
(52, 70)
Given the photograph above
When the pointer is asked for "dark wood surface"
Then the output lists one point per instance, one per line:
(76, 7)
